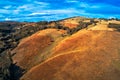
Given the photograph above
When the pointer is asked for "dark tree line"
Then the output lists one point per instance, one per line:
(113, 25)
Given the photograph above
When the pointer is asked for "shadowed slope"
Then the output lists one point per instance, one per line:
(86, 55)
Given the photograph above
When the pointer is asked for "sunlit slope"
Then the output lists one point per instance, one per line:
(101, 25)
(86, 55)
(34, 49)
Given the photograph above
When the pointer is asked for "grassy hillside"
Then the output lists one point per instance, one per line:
(36, 48)
(70, 49)
(87, 55)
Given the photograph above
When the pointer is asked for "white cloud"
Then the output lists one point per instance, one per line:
(7, 7)
(4, 11)
(86, 5)
(72, 1)
(33, 7)
(7, 19)
(59, 12)
(23, 7)
(16, 11)
(41, 3)
(111, 17)
(37, 13)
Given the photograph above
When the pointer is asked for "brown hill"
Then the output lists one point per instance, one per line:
(70, 49)
(86, 55)
(73, 22)
(34, 49)
(69, 22)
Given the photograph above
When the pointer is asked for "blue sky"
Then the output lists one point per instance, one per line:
(39, 10)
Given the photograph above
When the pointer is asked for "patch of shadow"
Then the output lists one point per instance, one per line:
(113, 25)
(16, 72)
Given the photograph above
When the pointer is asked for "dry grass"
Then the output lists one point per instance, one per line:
(69, 24)
(114, 21)
(92, 54)
(84, 40)
(36, 48)
(103, 25)
(86, 55)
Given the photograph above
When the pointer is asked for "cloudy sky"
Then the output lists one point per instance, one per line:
(37, 10)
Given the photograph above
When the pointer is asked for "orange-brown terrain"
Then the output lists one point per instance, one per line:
(34, 49)
(70, 22)
(92, 53)
(73, 22)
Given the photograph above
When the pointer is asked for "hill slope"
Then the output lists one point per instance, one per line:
(34, 49)
(69, 49)
(87, 55)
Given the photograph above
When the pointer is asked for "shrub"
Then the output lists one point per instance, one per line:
(113, 25)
